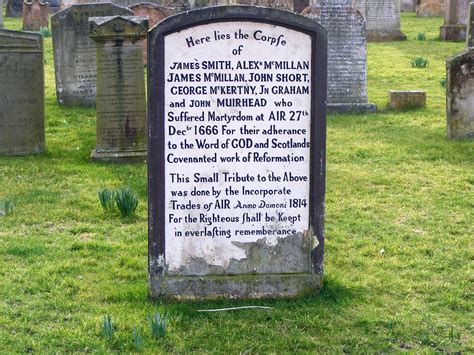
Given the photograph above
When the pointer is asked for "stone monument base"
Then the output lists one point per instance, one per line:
(385, 36)
(453, 32)
(120, 157)
(351, 108)
(236, 286)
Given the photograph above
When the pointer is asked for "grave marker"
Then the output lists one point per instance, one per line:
(121, 103)
(383, 19)
(75, 52)
(460, 95)
(347, 54)
(14, 8)
(455, 20)
(21, 93)
(470, 27)
(430, 8)
(1, 13)
(35, 15)
(408, 5)
(236, 112)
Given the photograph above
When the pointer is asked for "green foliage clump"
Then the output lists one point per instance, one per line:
(419, 62)
(108, 328)
(126, 200)
(158, 325)
(45, 31)
(106, 198)
(421, 36)
(442, 82)
(137, 339)
(6, 207)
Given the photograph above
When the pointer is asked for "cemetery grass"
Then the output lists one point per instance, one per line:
(399, 214)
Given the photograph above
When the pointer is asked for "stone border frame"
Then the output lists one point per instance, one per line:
(156, 155)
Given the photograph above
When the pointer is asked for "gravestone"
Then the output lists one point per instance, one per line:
(75, 52)
(470, 27)
(14, 8)
(455, 20)
(35, 15)
(125, 3)
(408, 5)
(460, 95)
(406, 99)
(430, 8)
(347, 54)
(1, 13)
(383, 19)
(237, 120)
(21, 93)
(155, 14)
(121, 104)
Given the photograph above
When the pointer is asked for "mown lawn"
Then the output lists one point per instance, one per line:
(394, 182)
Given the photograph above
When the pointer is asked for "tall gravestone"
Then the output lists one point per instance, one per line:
(455, 20)
(75, 52)
(21, 93)
(121, 99)
(460, 95)
(155, 14)
(236, 112)
(470, 27)
(347, 54)
(1, 13)
(35, 15)
(14, 8)
(383, 19)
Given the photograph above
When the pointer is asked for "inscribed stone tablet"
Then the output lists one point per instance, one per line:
(75, 52)
(232, 127)
(21, 93)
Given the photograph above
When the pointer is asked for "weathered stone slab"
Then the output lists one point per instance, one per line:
(125, 3)
(430, 8)
(408, 5)
(347, 54)
(405, 100)
(121, 102)
(470, 27)
(21, 93)
(455, 20)
(35, 15)
(460, 95)
(75, 52)
(236, 108)
(383, 19)
(155, 14)
(1, 13)
(14, 8)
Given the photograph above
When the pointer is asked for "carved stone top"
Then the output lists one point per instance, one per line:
(118, 27)
(19, 40)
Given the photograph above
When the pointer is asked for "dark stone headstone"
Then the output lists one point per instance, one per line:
(35, 15)
(347, 54)
(383, 19)
(455, 20)
(460, 95)
(236, 109)
(121, 100)
(470, 27)
(75, 52)
(155, 14)
(408, 5)
(21, 93)
(14, 8)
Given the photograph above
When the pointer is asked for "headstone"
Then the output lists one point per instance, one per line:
(75, 52)
(236, 116)
(408, 5)
(470, 27)
(125, 3)
(383, 19)
(347, 54)
(121, 103)
(1, 13)
(406, 99)
(429, 8)
(455, 20)
(155, 14)
(460, 95)
(35, 15)
(21, 93)
(14, 8)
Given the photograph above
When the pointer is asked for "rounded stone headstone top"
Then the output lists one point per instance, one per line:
(111, 27)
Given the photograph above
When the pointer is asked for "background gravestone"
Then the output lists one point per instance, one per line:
(408, 5)
(431, 8)
(470, 27)
(236, 108)
(75, 52)
(1, 13)
(347, 54)
(155, 14)
(460, 95)
(455, 20)
(21, 93)
(35, 15)
(125, 3)
(14, 8)
(383, 19)
(121, 103)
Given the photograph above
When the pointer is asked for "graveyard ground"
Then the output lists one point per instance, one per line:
(399, 227)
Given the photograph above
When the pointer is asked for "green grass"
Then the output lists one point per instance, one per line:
(393, 181)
